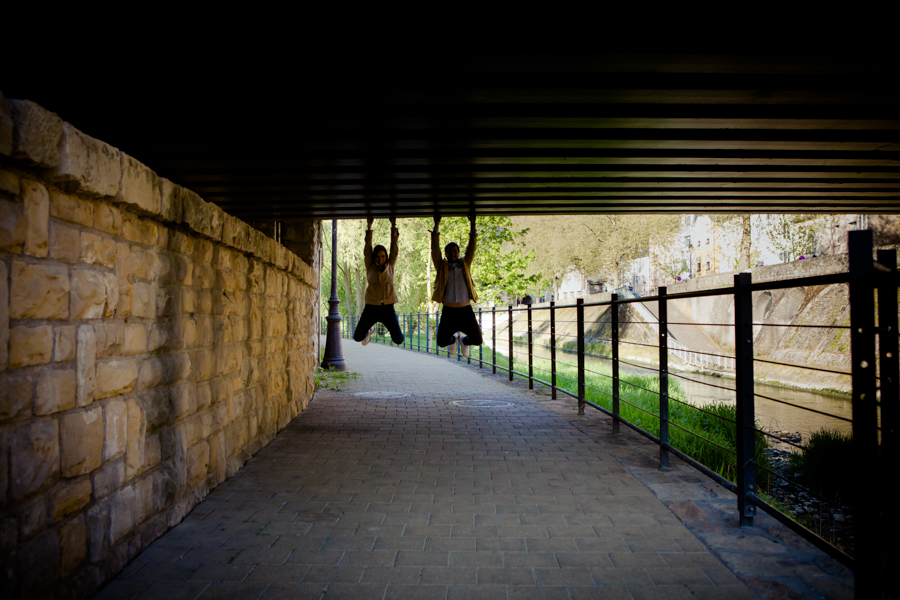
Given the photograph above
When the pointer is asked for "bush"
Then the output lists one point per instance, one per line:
(826, 465)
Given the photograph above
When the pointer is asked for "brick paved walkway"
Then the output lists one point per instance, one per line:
(418, 497)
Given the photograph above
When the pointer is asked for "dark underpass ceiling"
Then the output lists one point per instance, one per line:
(519, 135)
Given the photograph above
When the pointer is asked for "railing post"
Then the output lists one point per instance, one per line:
(869, 559)
(530, 347)
(481, 345)
(552, 350)
(494, 339)
(509, 328)
(614, 341)
(745, 417)
(427, 331)
(663, 380)
(579, 309)
(437, 321)
(890, 394)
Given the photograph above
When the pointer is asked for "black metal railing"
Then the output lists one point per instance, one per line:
(534, 338)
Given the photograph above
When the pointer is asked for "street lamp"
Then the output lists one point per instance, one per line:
(333, 357)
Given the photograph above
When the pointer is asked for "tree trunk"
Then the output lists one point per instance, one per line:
(346, 275)
(745, 243)
(360, 289)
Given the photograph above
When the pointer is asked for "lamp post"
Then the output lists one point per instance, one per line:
(333, 358)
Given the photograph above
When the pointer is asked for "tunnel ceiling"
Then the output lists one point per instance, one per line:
(518, 135)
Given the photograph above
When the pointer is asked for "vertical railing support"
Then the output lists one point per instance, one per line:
(614, 341)
(494, 339)
(427, 331)
(530, 349)
(579, 309)
(510, 330)
(868, 558)
(745, 417)
(481, 345)
(889, 370)
(663, 380)
(437, 322)
(418, 332)
(553, 350)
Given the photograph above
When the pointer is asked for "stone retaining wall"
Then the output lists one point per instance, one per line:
(149, 344)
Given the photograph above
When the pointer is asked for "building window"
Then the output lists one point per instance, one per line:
(707, 265)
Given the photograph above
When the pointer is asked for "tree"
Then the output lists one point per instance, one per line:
(793, 235)
(596, 244)
(738, 226)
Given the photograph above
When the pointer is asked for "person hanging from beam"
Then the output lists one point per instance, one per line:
(380, 293)
(454, 289)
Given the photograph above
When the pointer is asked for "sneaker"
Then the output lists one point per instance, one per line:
(368, 336)
(465, 349)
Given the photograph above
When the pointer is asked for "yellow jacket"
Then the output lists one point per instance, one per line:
(381, 283)
(442, 267)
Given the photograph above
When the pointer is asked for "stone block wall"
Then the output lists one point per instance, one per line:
(149, 344)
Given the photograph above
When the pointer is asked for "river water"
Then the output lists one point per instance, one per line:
(775, 414)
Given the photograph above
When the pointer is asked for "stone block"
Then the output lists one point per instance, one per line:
(205, 218)
(139, 187)
(87, 165)
(144, 500)
(97, 250)
(38, 292)
(12, 227)
(144, 300)
(180, 243)
(182, 400)
(37, 133)
(206, 365)
(36, 210)
(33, 517)
(116, 421)
(135, 339)
(4, 318)
(152, 452)
(65, 243)
(197, 463)
(110, 338)
(98, 532)
(72, 545)
(137, 229)
(170, 200)
(81, 436)
(134, 456)
(6, 127)
(71, 209)
(55, 392)
(85, 365)
(88, 295)
(115, 377)
(108, 478)
(150, 374)
(121, 514)
(29, 346)
(108, 219)
(158, 338)
(9, 182)
(39, 565)
(16, 397)
(64, 343)
(70, 497)
(125, 280)
(36, 448)
(145, 263)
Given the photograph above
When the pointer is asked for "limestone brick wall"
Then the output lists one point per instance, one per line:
(149, 344)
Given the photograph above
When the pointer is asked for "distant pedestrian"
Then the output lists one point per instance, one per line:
(380, 293)
(454, 289)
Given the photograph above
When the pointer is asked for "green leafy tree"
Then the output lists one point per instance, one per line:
(793, 235)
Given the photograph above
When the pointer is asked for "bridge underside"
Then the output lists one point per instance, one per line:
(521, 135)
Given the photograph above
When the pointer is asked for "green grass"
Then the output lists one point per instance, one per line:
(639, 404)
(826, 465)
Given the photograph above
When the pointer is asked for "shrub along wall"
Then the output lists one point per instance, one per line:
(149, 344)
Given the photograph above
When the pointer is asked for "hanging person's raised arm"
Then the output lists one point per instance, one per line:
(367, 249)
(473, 236)
(436, 243)
(395, 235)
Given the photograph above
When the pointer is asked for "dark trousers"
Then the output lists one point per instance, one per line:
(458, 319)
(379, 313)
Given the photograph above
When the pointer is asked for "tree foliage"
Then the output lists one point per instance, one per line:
(793, 235)
(601, 245)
